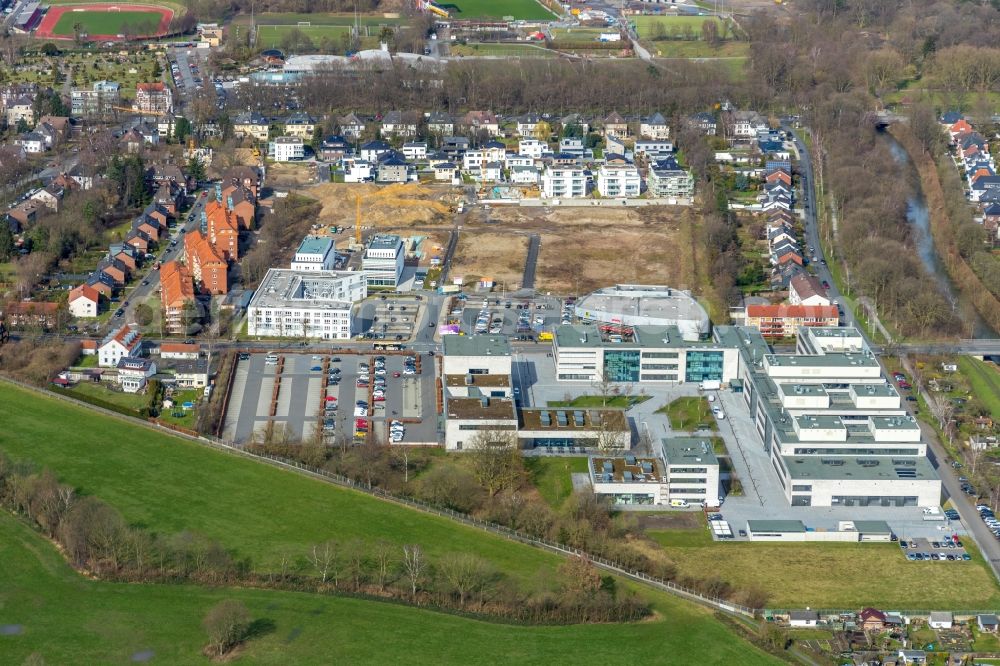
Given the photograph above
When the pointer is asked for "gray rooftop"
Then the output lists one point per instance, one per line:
(284, 287)
(775, 526)
(646, 337)
(632, 304)
(384, 242)
(476, 345)
(688, 450)
(859, 468)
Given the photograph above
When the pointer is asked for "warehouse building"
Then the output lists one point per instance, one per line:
(306, 304)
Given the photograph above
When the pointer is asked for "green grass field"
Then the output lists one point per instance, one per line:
(699, 49)
(551, 476)
(271, 36)
(984, 380)
(521, 50)
(290, 18)
(170, 485)
(645, 25)
(833, 575)
(528, 10)
(690, 413)
(66, 618)
(108, 23)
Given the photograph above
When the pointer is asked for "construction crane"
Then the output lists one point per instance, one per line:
(391, 195)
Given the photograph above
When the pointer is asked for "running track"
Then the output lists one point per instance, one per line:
(48, 23)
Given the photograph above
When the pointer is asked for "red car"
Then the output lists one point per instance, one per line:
(395, 374)
(379, 398)
(330, 398)
(204, 194)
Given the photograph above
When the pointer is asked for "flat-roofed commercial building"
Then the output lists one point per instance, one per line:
(692, 470)
(477, 388)
(562, 429)
(383, 261)
(306, 304)
(315, 253)
(646, 305)
(629, 354)
(835, 429)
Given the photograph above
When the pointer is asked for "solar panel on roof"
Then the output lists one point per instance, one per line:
(647, 468)
(629, 460)
(546, 419)
(627, 476)
(578, 419)
(608, 467)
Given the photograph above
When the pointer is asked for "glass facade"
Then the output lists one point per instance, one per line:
(873, 500)
(621, 366)
(704, 365)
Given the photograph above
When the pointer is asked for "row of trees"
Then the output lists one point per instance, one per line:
(96, 538)
(491, 482)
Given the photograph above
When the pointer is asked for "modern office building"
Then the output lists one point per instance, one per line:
(629, 354)
(306, 304)
(315, 253)
(835, 429)
(686, 472)
(475, 371)
(383, 261)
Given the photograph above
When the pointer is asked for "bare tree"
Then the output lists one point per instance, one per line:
(414, 567)
(496, 460)
(227, 625)
(323, 558)
(384, 562)
(466, 574)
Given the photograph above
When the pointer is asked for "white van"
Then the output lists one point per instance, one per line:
(271, 359)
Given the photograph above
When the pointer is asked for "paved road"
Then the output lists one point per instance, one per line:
(528, 280)
(141, 292)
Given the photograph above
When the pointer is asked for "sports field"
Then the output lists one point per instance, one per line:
(528, 10)
(48, 610)
(644, 25)
(104, 21)
(272, 36)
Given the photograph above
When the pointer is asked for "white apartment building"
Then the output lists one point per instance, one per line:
(315, 253)
(415, 150)
(118, 344)
(618, 180)
(287, 149)
(98, 99)
(306, 304)
(669, 181)
(564, 183)
(532, 148)
(357, 170)
(383, 261)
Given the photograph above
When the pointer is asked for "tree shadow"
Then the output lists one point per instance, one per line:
(260, 627)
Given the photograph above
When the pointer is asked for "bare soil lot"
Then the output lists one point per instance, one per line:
(499, 255)
(583, 249)
(385, 207)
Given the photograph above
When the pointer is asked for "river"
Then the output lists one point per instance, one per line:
(923, 239)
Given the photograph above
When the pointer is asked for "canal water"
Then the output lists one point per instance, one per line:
(920, 222)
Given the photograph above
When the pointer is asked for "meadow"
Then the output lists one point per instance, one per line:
(63, 617)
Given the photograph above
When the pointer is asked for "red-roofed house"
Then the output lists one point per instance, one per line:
(23, 314)
(870, 618)
(180, 350)
(84, 301)
(88, 347)
(959, 127)
(784, 321)
(207, 265)
(805, 289)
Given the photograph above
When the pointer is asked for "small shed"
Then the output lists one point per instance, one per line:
(912, 657)
(940, 620)
(803, 618)
(988, 623)
(873, 530)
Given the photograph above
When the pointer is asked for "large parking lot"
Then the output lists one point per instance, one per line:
(946, 548)
(518, 318)
(392, 318)
(301, 407)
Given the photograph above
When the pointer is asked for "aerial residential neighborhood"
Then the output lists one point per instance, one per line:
(534, 331)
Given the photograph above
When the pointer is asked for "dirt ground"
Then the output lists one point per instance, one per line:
(383, 207)
(487, 254)
(583, 249)
(286, 175)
